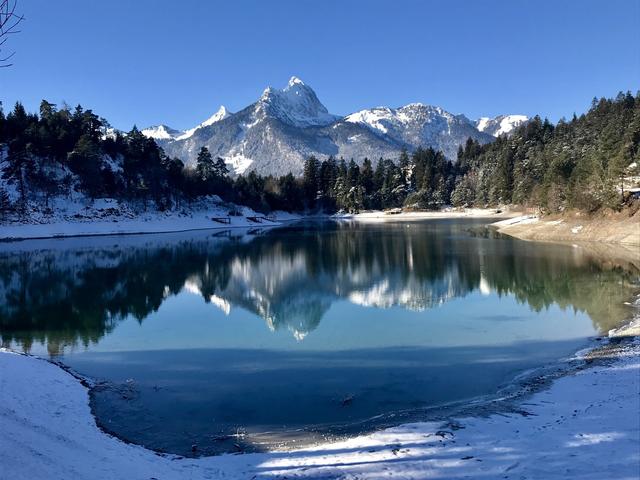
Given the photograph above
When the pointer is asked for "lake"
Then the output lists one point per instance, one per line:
(246, 340)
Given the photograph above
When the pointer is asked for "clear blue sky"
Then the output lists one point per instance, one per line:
(175, 62)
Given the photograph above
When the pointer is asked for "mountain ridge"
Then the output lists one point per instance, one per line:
(275, 134)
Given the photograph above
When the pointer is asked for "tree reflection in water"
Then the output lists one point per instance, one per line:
(61, 295)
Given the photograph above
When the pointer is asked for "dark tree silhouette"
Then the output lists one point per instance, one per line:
(9, 21)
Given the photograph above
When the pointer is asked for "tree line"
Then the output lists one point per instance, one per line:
(581, 163)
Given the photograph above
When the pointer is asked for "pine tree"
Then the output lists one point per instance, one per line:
(5, 203)
(366, 176)
(205, 166)
(311, 181)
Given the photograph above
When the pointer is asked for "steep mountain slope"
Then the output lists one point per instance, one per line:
(278, 132)
(221, 114)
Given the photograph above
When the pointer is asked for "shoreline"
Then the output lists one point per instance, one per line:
(582, 232)
(201, 220)
(574, 229)
(47, 406)
(153, 224)
(382, 216)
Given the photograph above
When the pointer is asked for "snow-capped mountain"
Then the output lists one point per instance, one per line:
(285, 126)
(296, 105)
(417, 125)
(500, 125)
(161, 132)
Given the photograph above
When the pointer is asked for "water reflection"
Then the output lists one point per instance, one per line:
(65, 295)
(302, 331)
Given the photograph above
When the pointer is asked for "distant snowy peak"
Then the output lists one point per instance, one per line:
(385, 119)
(221, 114)
(160, 132)
(296, 105)
(500, 125)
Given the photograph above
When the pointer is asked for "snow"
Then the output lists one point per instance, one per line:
(293, 81)
(296, 104)
(417, 124)
(160, 132)
(519, 220)
(500, 125)
(108, 217)
(386, 216)
(482, 123)
(384, 119)
(221, 114)
(109, 132)
(375, 118)
(585, 425)
(238, 162)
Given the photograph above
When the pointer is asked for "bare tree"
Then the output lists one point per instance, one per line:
(9, 21)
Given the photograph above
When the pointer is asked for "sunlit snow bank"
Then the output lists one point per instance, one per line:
(396, 215)
(110, 217)
(585, 426)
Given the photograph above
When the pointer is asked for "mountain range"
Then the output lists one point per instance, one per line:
(275, 134)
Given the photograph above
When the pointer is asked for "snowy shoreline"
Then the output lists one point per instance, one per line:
(201, 219)
(145, 223)
(386, 216)
(48, 431)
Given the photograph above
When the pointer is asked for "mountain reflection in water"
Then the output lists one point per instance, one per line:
(64, 295)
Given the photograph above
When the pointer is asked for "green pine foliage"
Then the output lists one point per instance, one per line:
(578, 164)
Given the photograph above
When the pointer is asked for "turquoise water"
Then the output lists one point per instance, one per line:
(246, 340)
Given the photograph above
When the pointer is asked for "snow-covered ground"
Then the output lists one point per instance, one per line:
(110, 217)
(398, 215)
(584, 426)
(106, 216)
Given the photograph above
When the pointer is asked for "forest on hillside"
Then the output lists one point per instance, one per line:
(580, 164)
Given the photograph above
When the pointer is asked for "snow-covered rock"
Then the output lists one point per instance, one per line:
(296, 105)
(500, 125)
(160, 132)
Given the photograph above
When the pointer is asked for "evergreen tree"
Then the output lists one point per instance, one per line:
(205, 166)
(311, 181)
(366, 176)
(5, 203)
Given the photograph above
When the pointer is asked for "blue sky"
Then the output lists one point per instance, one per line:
(148, 62)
